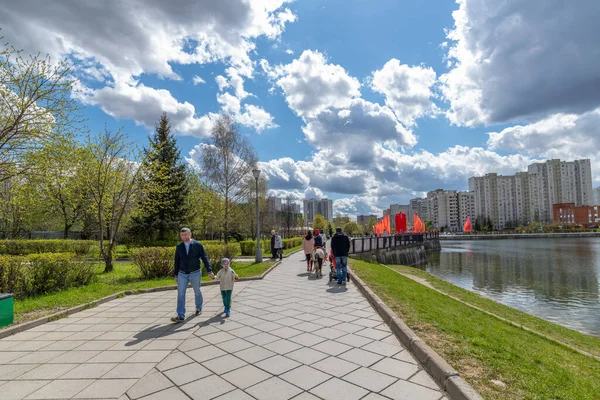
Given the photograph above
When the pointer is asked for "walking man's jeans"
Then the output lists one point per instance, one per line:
(182, 284)
(341, 263)
(226, 295)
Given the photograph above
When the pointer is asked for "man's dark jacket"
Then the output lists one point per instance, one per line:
(187, 263)
(340, 244)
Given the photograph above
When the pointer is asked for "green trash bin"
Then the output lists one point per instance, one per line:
(6, 309)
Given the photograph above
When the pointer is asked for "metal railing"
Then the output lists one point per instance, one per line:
(362, 244)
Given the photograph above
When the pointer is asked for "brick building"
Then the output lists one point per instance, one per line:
(568, 213)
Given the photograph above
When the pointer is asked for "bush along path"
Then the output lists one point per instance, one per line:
(500, 360)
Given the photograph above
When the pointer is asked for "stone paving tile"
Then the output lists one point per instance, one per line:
(254, 354)
(262, 338)
(9, 372)
(274, 389)
(20, 389)
(89, 371)
(331, 364)
(282, 346)
(331, 347)
(37, 357)
(152, 382)
(423, 378)
(334, 389)
(306, 355)
(361, 357)
(173, 393)
(187, 373)
(305, 377)
(246, 376)
(47, 371)
(224, 364)
(8, 356)
(235, 345)
(382, 348)
(396, 368)
(406, 357)
(147, 356)
(61, 389)
(369, 379)
(174, 360)
(131, 370)
(207, 388)
(106, 389)
(277, 365)
(403, 390)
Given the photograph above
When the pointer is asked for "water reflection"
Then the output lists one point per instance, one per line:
(556, 279)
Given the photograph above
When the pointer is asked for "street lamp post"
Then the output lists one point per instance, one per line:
(258, 256)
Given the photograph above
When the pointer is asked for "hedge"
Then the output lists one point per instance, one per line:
(248, 247)
(31, 275)
(155, 262)
(37, 246)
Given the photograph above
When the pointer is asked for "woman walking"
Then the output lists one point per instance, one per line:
(308, 244)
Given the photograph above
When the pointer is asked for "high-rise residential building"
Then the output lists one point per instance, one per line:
(313, 207)
(274, 203)
(364, 219)
(466, 208)
(419, 206)
(597, 196)
(443, 209)
(528, 196)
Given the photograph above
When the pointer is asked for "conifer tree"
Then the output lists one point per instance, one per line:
(163, 190)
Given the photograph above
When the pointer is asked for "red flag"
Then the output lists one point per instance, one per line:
(418, 225)
(467, 225)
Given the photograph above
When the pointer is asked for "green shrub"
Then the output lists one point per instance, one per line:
(31, 275)
(292, 242)
(154, 262)
(216, 252)
(37, 246)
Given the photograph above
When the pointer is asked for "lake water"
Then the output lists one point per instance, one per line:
(555, 279)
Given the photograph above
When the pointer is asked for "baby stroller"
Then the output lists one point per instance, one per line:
(332, 268)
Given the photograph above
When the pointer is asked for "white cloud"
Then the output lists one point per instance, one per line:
(197, 80)
(353, 131)
(131, 38)
(407, 90)
(561, 135)
(116, 42)
(289, 51)
(313, 193)
(144, 105)
(517, 60)
(311, 85)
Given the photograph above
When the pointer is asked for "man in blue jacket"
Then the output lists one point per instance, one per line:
(188, 254)
(340, 245)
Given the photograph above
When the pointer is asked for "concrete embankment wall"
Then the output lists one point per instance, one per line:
(521, 236)
(410, 254)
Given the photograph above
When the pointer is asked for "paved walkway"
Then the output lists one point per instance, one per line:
(289, 336)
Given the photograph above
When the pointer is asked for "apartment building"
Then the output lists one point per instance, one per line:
(313, 207)
(529, 196)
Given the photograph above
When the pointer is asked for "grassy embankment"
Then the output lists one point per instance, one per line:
(125, 276)
(484, 348)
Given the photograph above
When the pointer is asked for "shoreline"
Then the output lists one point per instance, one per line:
(501, 236)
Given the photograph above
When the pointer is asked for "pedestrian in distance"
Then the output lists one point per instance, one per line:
(277, 244)
(340, 246)
(187, 270)
(308, 244)
(226, 276)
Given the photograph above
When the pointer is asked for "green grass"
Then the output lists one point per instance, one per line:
(576, 339)
(483, 348)
(125, 276)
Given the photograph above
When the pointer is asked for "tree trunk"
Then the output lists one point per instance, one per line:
(66, 230)
(108, 259)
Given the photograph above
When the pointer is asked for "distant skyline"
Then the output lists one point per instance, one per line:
(367, 103)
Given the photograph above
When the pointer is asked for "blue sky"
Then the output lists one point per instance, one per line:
(366, 102)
